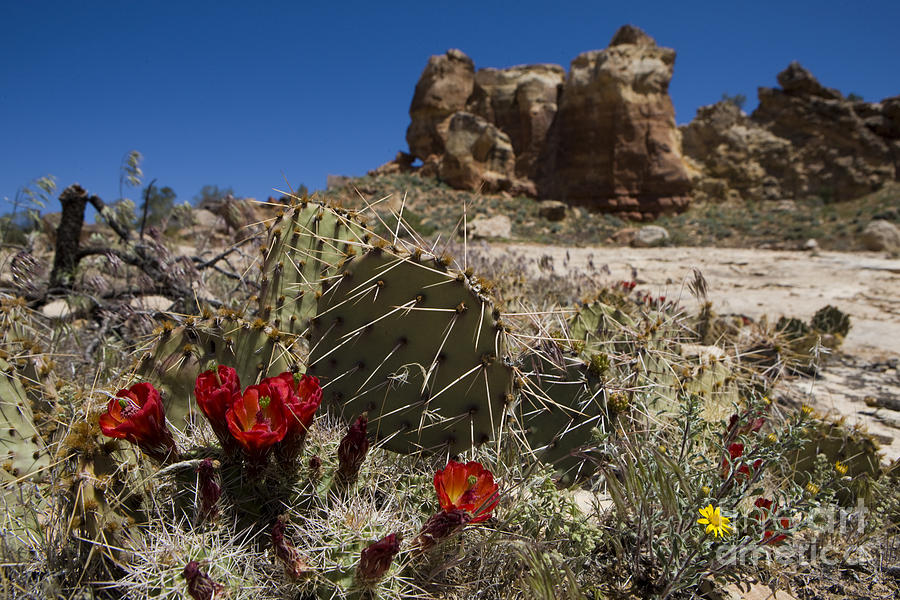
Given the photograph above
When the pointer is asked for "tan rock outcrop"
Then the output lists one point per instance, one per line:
(736, 154)
(443, 89)
(615, 146)
(476, 154)
(604, 136)
(522, 101)
(842, 154)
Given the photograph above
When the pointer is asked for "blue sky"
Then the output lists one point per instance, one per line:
(241, 93)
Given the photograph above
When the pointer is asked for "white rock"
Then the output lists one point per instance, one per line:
(498, 226)
(650, 236)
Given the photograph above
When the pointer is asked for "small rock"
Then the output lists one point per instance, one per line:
(498, 226)
(650, 236)
(624, 236)
(811, 245)
(552, 210)
(57, 309)
(155, 303)
(881, 235)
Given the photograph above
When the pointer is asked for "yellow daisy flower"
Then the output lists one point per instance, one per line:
(715, 522)
(841, 468)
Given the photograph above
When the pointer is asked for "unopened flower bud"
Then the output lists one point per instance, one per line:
(352, 451)
(286, 552)
(440, 526)
(375, 560)
(208, 490)
(200, 586)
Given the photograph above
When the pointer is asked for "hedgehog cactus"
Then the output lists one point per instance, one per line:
(178, 354)
(417, 346)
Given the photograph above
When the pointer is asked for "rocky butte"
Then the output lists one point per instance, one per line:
(603, 135)
(802, 140)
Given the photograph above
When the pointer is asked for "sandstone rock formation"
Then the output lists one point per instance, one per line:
(842, 156)
(444, 87)
(615, 145)
(803, 140)
(736, 154)
(603, 136)
(522, 102)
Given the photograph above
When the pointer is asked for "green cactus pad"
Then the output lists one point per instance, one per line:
(305, 248)
(417, 347)
(560, 405)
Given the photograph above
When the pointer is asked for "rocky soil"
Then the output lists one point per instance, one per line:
(861, 383)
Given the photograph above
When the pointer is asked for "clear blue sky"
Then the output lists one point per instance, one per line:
(237, 93)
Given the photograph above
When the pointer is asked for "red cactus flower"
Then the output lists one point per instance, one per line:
(200, 585)
(216, 391)
(302, 397)
(375, 559)
(138, 415)
(256, 419)
(469, 487)
(352, 451)
(440, 526)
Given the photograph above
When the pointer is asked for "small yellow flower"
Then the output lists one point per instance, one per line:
(772, 438)
(705, 489)
(841, 468)
(812, 488)
(715, 522)
(806, 409)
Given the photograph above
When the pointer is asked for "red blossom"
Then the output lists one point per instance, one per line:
(375, 559)
(137, 414)
(468, 487)
(256, 419)
(302, 397)
(216, 391)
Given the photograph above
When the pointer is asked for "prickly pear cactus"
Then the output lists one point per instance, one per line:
(560, 405)
(24, 459)
(23, 450)
(305, 248)
(647, 349)
(831, 320)
(415, 345)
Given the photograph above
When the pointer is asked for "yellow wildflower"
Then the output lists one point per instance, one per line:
(715, 522)
(806, 409)
(812, 488)
(705, 489)
(772, 438)
(841, 468)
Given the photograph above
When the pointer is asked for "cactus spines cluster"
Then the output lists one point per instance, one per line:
(416, 346)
